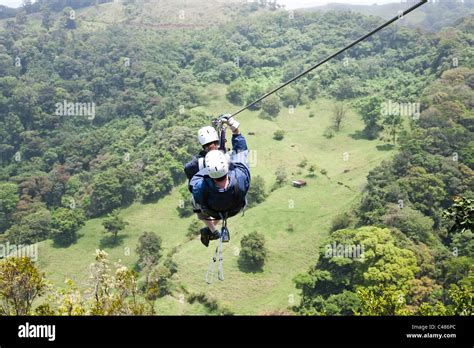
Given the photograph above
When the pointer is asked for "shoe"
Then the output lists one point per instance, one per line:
(225, 235)
(214, 235)
(205, 236)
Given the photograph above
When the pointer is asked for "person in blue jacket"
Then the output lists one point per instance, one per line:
(220, 187)
(209, 140)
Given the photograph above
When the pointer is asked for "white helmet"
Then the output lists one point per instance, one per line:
(207, 135)
(217, 164)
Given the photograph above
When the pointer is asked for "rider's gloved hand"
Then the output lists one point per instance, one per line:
(230, 121)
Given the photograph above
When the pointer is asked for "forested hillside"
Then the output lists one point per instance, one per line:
(99, 109)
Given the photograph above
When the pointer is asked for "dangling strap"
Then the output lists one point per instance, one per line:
(211, 268)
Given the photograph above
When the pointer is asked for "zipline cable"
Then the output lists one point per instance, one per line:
(400, 15)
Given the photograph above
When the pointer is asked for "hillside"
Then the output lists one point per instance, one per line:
(290, 252)
(151, 76)
(433, 17)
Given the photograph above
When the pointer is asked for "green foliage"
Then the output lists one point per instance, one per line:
(114, 224)
(159, 282)
(253, 249)
(339, 113)
(155, 185)
(461, 214)
(257, 193)
(281, 176)
(64, 225)
(185, 205)
(290, 97)
(105, 193)
(194, 228)
(31, 228)
(271, 106)
(279, 134)
(381, 264)
(8, 201)
(341, 221)
(329, 132)
(411, 222)
(228, 72)
(381, 301)
(149, 249)
(236, 92)
(20, 284)
(370, 110)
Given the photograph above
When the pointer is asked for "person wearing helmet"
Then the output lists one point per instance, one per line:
(220, 188)
(209, 140)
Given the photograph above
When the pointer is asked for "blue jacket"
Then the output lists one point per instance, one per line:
(231, 200)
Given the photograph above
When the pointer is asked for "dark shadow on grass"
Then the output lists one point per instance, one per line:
(360, 135)
(62, 244)
(385, 147)
(108, 241)
(248, 267)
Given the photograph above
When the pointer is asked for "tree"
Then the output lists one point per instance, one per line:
(46, 18)
(253, 249)
(392, 125)
(367, 258)
(20, 284)
(114, 224)
(279, 134)
(158, 285)
(411, 222)
(149, 249)
(460, 214)
(339, 113)
(64, 225)
(290, 97)
(236, 92)
(31, 228)
(271, 106)
(105, 195)
(256, 193)
(228, 72)
(195, 226)
(382, 300)
(256, 91)
(370, 109)
(280, 176)
(8, 201)
(156, 185)
(69, 19)
(113, 293)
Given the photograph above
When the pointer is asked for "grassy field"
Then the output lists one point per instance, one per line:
(309, 209)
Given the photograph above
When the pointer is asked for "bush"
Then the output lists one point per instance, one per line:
(271, 106)
(149, 248)
(280, 176)
(253, 249)
(256, 193)
(279, 134)
(158, 283)
(329, 132)
(303, 163)
(64, 225)
(342, 221)
(194, 228)
(171, 265)
(202, 298)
